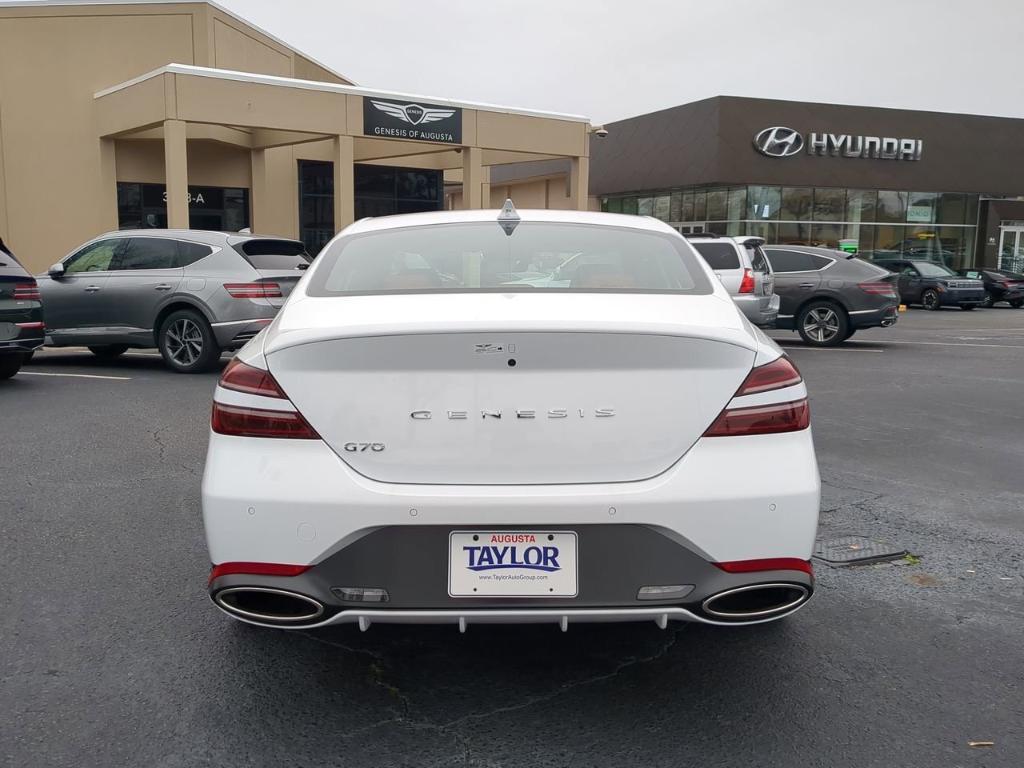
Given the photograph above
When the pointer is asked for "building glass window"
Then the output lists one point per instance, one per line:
(737, 204)
(827, 235)
(794, 234)
(829, 204)
(951, 208)
(921, 207)
(316, 204)
(767, 230)
(629, 205)
(718, 202)
(764, 202)
(864, 235)
(645, 206)
(676, 207)
(860, 205)
(686, 211)
(613, 205)
(717, 227)
(144, 206)
(892, 206)
(700, 202)
(662, 207)
(797, 203)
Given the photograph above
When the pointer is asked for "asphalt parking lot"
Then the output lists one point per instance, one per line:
(111, 654)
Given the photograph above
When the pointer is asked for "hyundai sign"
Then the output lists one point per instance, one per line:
(780, 141)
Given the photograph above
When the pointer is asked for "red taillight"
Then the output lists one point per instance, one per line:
(768, 564)
(878, 289)
(257, 569)
(255, 422)
(253, 290)
(761, 420)
(39, 324)
(26, 292)
(777, 374)
(246, 378)
(747, 283)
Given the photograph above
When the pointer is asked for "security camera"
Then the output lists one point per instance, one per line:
(600, 131)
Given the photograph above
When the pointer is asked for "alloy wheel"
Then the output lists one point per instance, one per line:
(821, 324)
(184, 341)
(930, 300)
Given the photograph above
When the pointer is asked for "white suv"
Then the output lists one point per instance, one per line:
(745, 272)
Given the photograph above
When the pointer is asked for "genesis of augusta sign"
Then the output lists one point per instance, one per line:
(412, 121)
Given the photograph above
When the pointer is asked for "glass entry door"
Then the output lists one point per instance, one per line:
(1011, 247)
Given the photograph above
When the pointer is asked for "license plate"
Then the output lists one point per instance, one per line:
(512, 564)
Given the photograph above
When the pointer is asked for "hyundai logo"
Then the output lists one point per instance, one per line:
(778, 141)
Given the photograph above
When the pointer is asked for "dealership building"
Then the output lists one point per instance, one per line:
(885, 182)
(181, 114)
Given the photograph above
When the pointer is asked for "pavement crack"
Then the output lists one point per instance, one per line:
(161, 447)
(630, 662)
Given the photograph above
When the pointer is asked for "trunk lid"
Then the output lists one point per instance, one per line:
(510, 389)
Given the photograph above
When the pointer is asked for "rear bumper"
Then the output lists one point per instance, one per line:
(20, 345)
(304, 506)
(881, 317)
(235, 333)
(760, 310)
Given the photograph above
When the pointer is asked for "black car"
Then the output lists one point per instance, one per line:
(21, 315)
(826, 295)
(1000, 285)
(934, 285)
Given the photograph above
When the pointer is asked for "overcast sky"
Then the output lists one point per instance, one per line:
(609, 59)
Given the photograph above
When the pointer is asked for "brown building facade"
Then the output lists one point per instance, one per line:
(154, 114)
(947, 187)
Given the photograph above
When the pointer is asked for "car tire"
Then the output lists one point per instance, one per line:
(822, 324)
(967, 307)
(989, 300)
(850, 333)
(930, 300)
(10, 365)
(1017, 303)
(187, 343)
(109, 351)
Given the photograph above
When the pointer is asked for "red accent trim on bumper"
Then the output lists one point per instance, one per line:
(257, 569)
(768, 564)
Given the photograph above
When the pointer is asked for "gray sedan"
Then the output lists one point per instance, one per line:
(189, 293)
(826, 295)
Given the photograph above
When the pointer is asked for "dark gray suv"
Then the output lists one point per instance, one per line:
(189, 293)
(826, 295)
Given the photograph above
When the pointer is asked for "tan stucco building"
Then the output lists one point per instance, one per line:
(181, 114)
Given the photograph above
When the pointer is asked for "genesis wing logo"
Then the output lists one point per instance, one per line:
(778, 141)
(413, 114)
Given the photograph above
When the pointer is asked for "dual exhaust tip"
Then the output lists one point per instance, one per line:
(756, 602)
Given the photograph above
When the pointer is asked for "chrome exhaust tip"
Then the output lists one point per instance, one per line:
(756, 602)
(272, 606)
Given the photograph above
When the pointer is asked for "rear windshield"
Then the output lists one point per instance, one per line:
(9, 265)
(1008, 273)
(718, 255)
(274, 254)
(479, 257)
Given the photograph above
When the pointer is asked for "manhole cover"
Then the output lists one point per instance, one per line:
(855, 550)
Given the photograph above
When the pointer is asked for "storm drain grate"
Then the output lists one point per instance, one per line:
(855, 550)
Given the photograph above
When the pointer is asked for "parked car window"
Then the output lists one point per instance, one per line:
(148, 253)
(790, 261)
(972, 273)
(718, 255)
(909, 270)
(190, 253)
(274, 254)
(758, 262)
(930, 269)
(819, 262)
(95, 257)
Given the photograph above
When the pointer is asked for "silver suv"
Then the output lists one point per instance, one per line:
(745, 272)
(189, 293)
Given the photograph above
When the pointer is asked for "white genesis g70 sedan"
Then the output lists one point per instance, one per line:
(534, 416)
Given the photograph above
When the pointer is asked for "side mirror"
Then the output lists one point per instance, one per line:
(56, 271)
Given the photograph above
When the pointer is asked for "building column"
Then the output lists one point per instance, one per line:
(258, 203)
(107, 199)
(344, 182)
(472, 178)
(579, 183)
(485, 188)
(176, 173)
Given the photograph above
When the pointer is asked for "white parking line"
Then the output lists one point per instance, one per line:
(75, 375)
(829, 349)
(951, 344)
